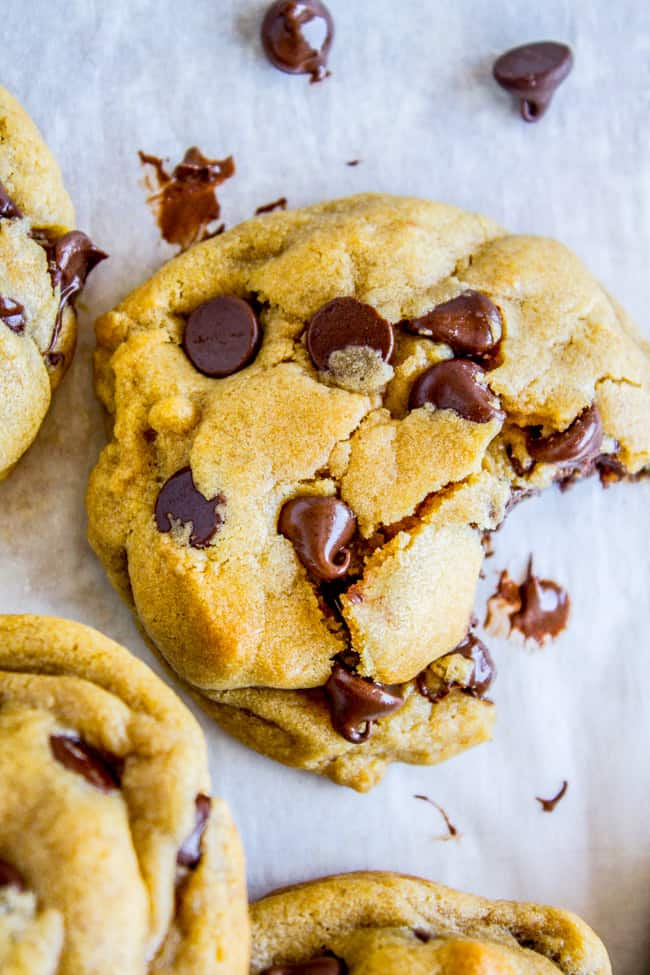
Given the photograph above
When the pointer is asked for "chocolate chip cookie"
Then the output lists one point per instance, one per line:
(113, 857)
(43, 267)
(317, 416)
(387, 924)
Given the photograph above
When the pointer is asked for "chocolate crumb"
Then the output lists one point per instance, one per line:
(537, 608)
(452, 831)
(279, 204)
(548, 805)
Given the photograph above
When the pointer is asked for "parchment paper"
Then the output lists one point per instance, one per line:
(411, 96)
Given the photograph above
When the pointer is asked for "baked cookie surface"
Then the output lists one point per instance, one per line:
(113, 857)
(386, 924)
(316, 417)
(43, 265)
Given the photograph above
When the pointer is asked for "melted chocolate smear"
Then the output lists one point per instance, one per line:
(479, 680)
(9, 876)
(99, 768)
(185, 202)
(324, 965)
(189, 854)
(320, 529)
(452, 831)
(279, 204)
(532, 73)
(470, 324)
(12, 314)
(180, 500)
(548, 805)
(8, 209)
(355, 703)
(297, 36)
(537, 608)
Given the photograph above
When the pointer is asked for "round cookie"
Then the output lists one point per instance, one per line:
(113, 857)
(317, 416)
(43, 266)
(387, 924)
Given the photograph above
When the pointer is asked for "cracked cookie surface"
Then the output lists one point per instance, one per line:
(113, 857)
(386, 924)
(405, 371)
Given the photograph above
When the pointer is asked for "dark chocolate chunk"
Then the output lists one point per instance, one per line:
(344, 323)
(548, 805)
(319, 528)
(9, 876)
(8, 209)
(12, 314)
(325, 965)
(579, 443)
(532, 73)
(470, 323)
(297, 36)
(355, 703)
(479, 680)
(457, 385)
(420, 933)
(100, 768)
(180, 500)
(189, 854)
(221, 336)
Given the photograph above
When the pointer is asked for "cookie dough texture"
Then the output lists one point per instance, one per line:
(240, 620)
(32, 179)
(99, 867)
(369, 920)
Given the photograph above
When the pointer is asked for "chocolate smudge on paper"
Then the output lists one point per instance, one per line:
(537, 608)
(548, 805)
(452, 831)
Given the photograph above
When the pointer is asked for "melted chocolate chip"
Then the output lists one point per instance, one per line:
(297, 36)
(478, 681)
(548, 805)
(10, 877)
(189, 854)
(180, 500)
(12, 314)
(457, 385)
(532, 73)
(280, 204)
(320, 529)
(185, 203)
(344, 323)
(325, 965)
(221, 336)
(100, 768)
(470, 323)
(8, 209)
(355, 703)
(580, 443)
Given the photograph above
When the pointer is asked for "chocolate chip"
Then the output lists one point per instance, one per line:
(319, 529)
(100, 768)
(221, 336)
(344, 323)
(579, 443)
(457, 385)
(8, 209)
(532, 73)
(297, 36)
(470, 323)
(478, 681)
(10, 877)
(355, 703)
(325, 965)
(12, 314)
(189, 854)
(421, 934)
(179, 500)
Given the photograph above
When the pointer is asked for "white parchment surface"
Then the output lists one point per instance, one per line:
(411, 96)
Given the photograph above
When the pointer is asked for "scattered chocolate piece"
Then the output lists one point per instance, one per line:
(8, 209)
(180, 500)
(353, 162)
(344, 323)
(457, 385)
(434, 684)
(452, 832)
(221, 336)
(297, 36)
(325, 965)
(579, 444)
(279, 204)
(488, 544)
(419, 933)
(548, 805)
(189, 854)
(9, 876)
(470, 323)
(319, 528)
(99, 768)
(538, 608)
(355, 703)
(185, 202)
(12, 314)
(532, 73)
